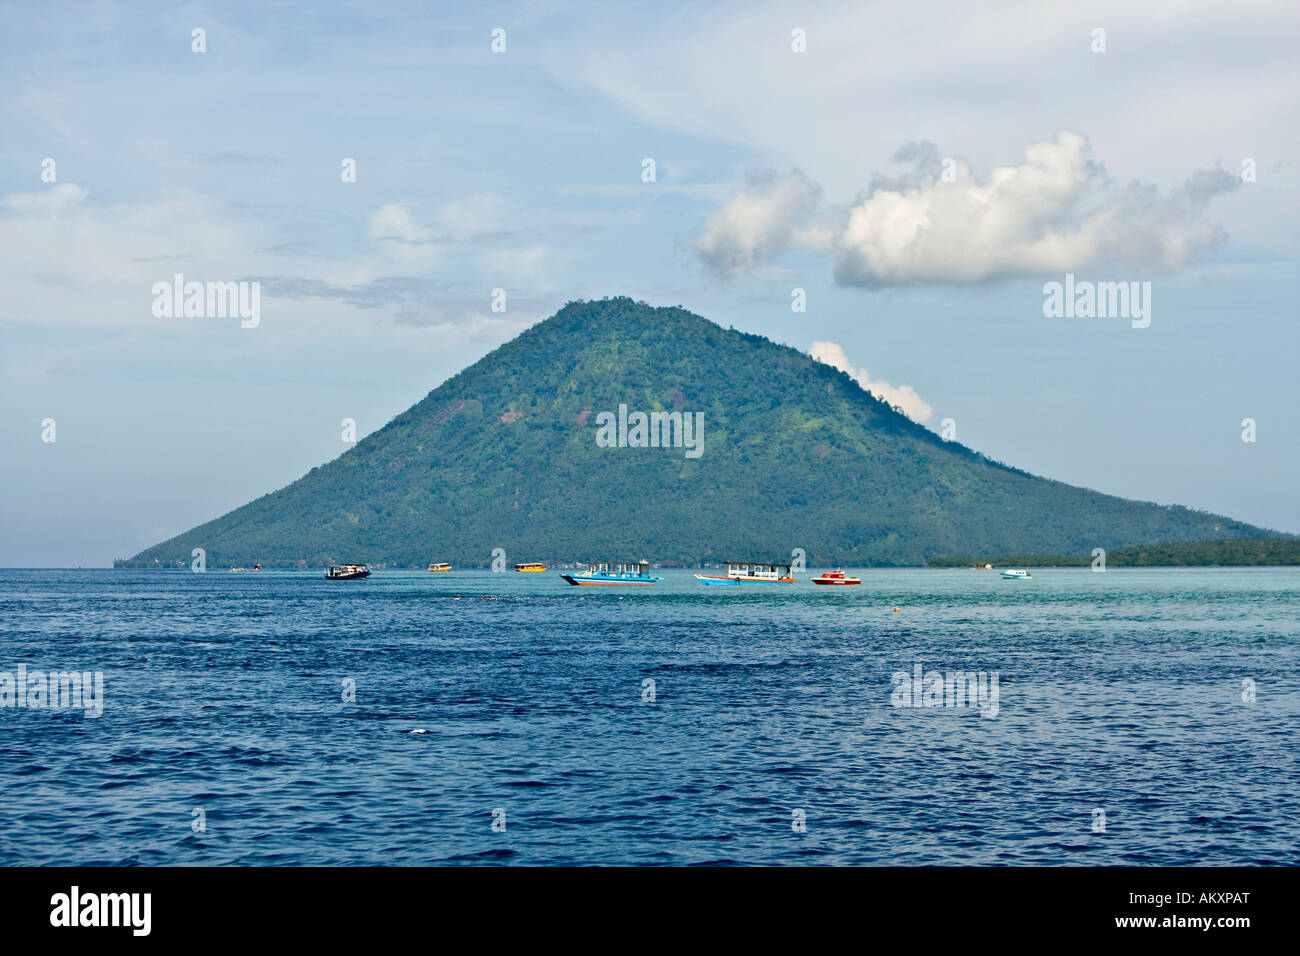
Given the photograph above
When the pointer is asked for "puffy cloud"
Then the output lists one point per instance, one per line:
(903, 396)
(1055, 212)
(758, 222)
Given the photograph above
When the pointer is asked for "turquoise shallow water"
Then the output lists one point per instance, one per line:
(223, 693)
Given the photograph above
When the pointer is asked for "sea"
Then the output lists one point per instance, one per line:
(1129, 717)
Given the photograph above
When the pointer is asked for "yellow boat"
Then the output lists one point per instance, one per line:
(440, 566)
(530, 566)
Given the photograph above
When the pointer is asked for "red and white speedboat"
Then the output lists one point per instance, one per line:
(835, 577)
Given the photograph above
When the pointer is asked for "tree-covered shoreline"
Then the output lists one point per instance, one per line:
(1229, 552)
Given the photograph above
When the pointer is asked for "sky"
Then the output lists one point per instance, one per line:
(921, 172)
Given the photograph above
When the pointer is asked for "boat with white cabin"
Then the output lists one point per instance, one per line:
(615, 574)
(747, 572)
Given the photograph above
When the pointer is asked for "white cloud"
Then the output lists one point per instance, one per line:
(1057, 211)
(393, 221)
(463, 219)
(473, 215)
(757, 222)
(71, 260)
(978, 75)
(68, 258)
(902, 396)
(503, 266)
(50, 201)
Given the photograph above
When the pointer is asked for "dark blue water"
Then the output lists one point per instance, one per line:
(223, 693)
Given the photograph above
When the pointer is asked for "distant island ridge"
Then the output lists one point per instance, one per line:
(538, 449)
(1230, 552)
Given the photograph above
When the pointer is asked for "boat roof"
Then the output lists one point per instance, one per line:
(763, 564)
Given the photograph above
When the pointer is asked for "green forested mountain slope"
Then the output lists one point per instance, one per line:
(795, 454)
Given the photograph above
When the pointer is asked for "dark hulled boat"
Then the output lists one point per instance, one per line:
(346, 572)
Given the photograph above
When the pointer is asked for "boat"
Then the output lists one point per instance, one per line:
(1016, 574)
(347, 572)
(622, 573)
(440, 566)
(530, 566)
(747, 572)
(835, 577)
(256, 567)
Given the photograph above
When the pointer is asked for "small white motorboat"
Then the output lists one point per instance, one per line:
(1016, 573)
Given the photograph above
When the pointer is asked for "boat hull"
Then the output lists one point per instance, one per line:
(839, 581)
(593, 580)
(714, 580)
(351, 576)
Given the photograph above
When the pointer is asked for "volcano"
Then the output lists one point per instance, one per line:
(616, 431)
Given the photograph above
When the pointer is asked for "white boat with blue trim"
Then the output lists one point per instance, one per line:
(615, 574)
(1016, 574)
(747, 572)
